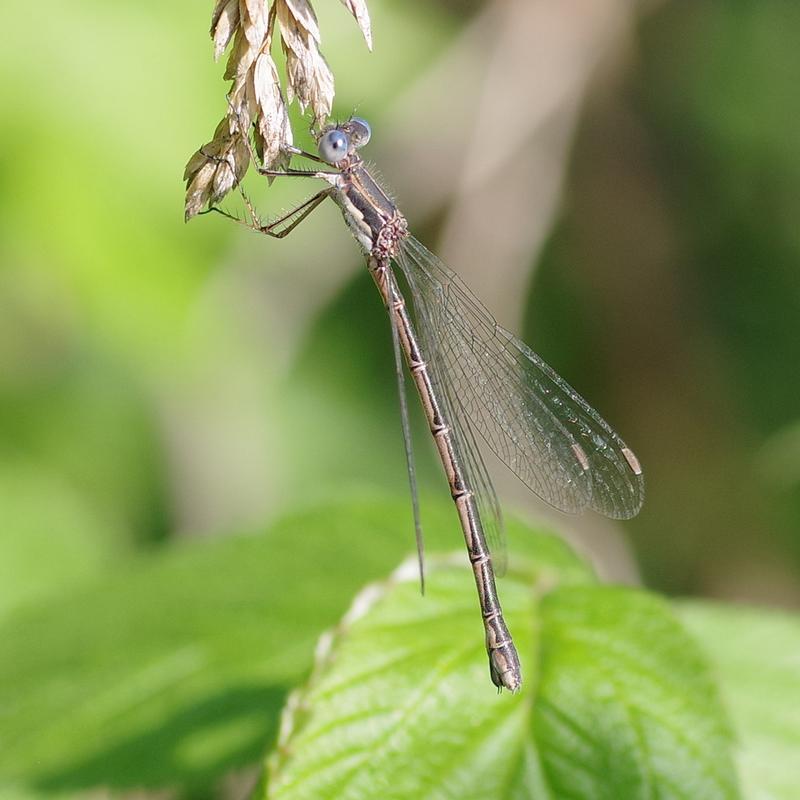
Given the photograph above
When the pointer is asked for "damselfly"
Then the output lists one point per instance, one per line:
(475, 380)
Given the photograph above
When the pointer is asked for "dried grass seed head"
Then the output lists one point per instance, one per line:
(215, 168)
(309, 79)
(256, 99)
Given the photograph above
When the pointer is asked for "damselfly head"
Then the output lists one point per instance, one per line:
(359, 130)
(334, 146)
(339, 141)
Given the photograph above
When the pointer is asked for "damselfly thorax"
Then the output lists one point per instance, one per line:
(373, 218)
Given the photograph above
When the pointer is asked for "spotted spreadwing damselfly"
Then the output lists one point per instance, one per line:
(476, 381)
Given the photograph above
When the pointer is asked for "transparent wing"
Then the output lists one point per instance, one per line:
(535, 422)
(473, 467)
(477, 477)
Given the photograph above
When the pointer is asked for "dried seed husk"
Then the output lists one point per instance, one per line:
(358, 8)
(224, 23)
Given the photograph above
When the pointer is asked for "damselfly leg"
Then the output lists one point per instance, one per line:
(297, 215)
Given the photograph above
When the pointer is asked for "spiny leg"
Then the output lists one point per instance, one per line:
(304, 209)
(296, 173)
(296, 151)
(301, 212)
(274, 173)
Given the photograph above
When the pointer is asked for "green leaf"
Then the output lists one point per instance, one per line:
(173, 671)
(617, 701)
(756, 655)
(626, 703)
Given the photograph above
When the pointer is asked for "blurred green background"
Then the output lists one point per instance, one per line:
(617, 180)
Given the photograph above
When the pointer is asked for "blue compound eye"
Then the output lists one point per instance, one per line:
(334, 146)
(361, 131)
